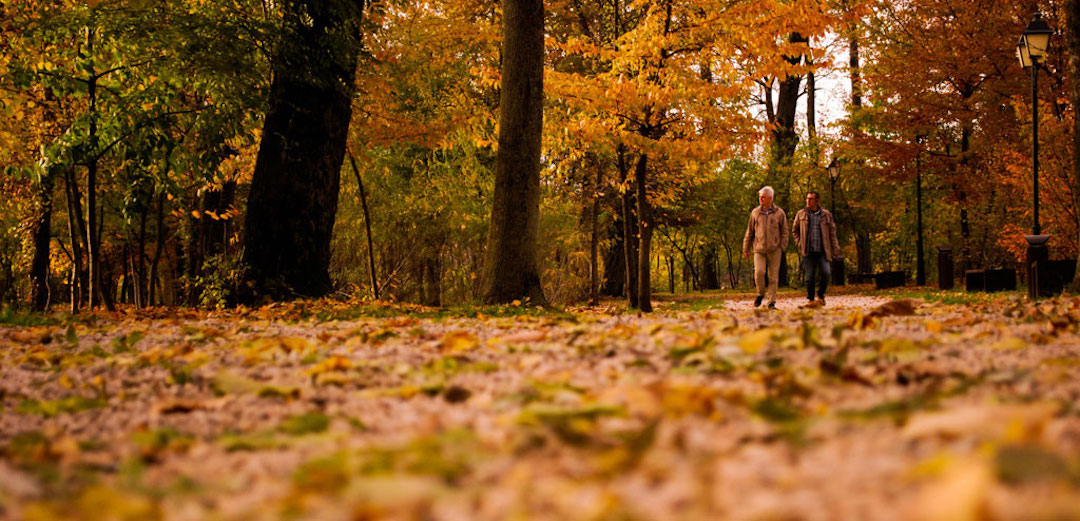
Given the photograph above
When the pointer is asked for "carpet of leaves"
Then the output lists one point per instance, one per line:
(869, 408)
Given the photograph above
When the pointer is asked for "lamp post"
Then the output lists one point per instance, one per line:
(920, 258)
(1031, 50)
(834, 172)
(837, 267)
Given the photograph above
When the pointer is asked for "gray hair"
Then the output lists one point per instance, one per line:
(767, 190)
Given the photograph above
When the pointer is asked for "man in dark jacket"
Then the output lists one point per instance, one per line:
(815, 234)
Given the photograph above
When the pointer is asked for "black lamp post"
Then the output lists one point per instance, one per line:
(1031, 50)
(920, 257)
(837, 267)
(834, 172)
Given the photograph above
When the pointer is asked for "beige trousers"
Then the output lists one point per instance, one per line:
(772, 259)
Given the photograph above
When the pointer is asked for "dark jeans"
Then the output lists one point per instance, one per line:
(815, 264)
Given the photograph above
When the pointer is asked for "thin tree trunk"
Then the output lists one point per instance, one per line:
(645, 231)
(630, 237)
(511, 270)
(75, 231)
(159, 228)
(854, 72)
(671, 273)
(811, 104)
(367, 226)
(594, 241)
(125, 275)
(42, 234)
(92, 244)
(142, 291)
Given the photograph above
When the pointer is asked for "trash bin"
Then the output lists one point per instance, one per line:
(945, 267)
(838, 275)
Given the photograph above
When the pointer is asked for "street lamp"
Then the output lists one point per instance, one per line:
(834, 172)
(920, 258)
(1031, 50)
(838, 260)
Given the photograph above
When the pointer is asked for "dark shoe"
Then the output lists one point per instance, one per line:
(772, 305)
(822, 299)
(757, 301)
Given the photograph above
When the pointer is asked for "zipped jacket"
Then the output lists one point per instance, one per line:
(766, 231)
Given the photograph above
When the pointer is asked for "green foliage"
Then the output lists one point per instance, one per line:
(307, 423)
(219, 281)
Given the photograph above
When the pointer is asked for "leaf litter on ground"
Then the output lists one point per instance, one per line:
(866, 408)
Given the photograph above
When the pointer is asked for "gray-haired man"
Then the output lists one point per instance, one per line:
(767, 238)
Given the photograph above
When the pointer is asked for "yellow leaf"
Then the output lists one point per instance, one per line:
(934, 327)
(196, 214)
(1009, 343)
(752, 343)
(458, 342)
(960, 494)
(331, 363)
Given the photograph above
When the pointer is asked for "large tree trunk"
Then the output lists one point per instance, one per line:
(294, 187)
(1072, 39)
(711, 275)
(511, 269)
(645, 231)
(785, 138)
(615, 258)
(42, 233)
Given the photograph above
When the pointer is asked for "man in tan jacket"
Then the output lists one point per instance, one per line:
(767, 238)
(815, 235)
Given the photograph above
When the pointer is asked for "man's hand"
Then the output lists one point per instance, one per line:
(746, 254)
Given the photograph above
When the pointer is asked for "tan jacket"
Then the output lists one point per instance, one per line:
(828, 233)
(766, 233)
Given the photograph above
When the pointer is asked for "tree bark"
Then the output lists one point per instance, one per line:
(294, 187)
(511, 270)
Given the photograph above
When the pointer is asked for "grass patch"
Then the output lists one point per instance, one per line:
(52, 408)
(944, 296)
(307, 423)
